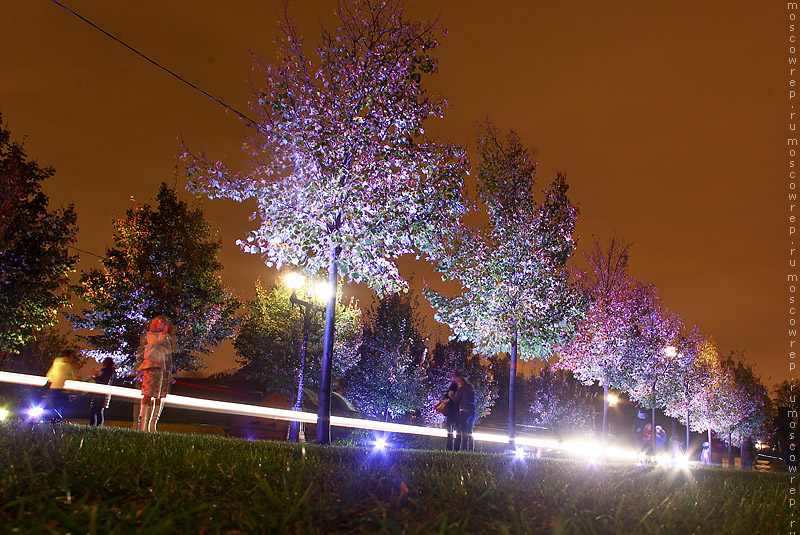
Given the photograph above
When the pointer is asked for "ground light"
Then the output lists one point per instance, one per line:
(35, 412)
(578, 449)
(3, 414)
(380, 443)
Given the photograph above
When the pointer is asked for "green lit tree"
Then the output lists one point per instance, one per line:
(34, 248)
(516, 295)
(164, 262)
(268, 344)
(387, 381)
(346, 181)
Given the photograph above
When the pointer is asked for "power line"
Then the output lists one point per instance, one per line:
(129, 47)
(87, 252)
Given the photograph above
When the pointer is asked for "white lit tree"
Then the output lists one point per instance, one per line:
(346, 180)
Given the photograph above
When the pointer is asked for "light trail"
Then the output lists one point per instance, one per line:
(582, 449)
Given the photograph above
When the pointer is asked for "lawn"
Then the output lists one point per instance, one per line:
(74, 479)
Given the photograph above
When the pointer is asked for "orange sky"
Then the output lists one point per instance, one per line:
(669, 120)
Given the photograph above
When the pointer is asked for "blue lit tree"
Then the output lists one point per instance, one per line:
(164, 262)
(345, 179)
(516, 295)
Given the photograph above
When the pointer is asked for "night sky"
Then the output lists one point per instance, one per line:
(669, 120)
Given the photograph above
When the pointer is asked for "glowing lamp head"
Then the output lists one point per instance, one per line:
(35, 412)
(520, 454)
(3, 414)
(380, 443)
(294, 280)
(323, 291)
(612, 400)
(670, 351)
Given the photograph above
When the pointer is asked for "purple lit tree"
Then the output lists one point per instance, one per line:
(598, 350)
(387, 380)
(516, 297)
(561, 402)
(34, 248)
(345, 180)
(649, 359)
(456, 355)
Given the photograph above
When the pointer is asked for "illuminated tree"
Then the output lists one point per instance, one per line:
(346, 181)
(598, 350)
(456, 356)
(165, 262)
(270, 335)
(691, 368)
(516, 297)
(34, 248)
(561, 402)
(387, 381)
(649, 358)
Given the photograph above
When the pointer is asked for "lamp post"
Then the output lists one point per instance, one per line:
(295, 281)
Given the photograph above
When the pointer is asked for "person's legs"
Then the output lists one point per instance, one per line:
(467, 426)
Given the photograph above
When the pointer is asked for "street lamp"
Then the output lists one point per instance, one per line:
(296, 281)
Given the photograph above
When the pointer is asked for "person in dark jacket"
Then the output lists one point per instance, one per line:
(464, 398)
(100, 402)
(451, 418)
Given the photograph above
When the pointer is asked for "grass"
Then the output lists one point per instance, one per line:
(73, 479)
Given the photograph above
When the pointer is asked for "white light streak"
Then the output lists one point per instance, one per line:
(583, 449)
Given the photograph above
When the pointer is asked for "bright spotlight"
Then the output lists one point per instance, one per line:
(3, 414)
(380, 443)
(520, 453)
(612, 400)
(35, 412)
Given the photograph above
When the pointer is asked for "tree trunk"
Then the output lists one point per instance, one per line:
(686, 451)
(653, 426)
(512, 409)
(730, 450)
(605, 412)
(324, 411)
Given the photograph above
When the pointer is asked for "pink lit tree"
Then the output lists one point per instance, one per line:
(598, 350)
(345, 179)
(516, 295)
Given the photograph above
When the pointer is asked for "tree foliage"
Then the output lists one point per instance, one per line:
(561, 402)
(34, 248)
(598, 350)
(387, 381)
(164, 262)
(443, 361)
(343, 165)
(512, 269)
(36, 355)
(269, 340)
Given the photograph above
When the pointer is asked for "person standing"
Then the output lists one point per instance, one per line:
(661, 440)
(451, 417)
(62, 370)
(156, 366)
(638, 431)
(464, 398)
(100, 402)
